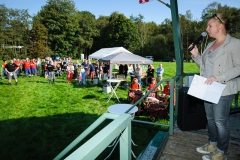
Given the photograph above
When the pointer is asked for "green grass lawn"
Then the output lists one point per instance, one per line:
(38, 120)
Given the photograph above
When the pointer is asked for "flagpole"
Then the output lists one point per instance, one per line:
(177, 50)
(166, 4)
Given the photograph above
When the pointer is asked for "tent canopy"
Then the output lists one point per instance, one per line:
(125, 58)
(107, 51)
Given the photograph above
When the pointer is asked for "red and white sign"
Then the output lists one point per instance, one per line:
(143, 1)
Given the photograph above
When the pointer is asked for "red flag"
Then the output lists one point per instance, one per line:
(143, 1)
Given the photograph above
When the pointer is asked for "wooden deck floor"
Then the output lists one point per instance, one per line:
(181, 146)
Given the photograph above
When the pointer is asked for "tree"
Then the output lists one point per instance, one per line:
(165, 29)
(186, 31)
(100, 41)
(156, 47)
(87, 30)
(3, 28)
(144, 30)
(121, 31)
(39, 39)
(13, 31)
(58, 16)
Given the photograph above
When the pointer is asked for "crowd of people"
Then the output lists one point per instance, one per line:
(80, 71)
(49, 68)
(157, 99)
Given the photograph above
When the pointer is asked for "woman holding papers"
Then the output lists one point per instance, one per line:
(220, 62)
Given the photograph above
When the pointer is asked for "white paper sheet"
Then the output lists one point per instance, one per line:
(210, 93)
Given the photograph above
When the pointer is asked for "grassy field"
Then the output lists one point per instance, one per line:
(38, 120)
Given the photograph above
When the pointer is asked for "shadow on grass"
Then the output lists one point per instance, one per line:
(89, 97)
(42, 138)
(37, 81)
(90, 83)
(4, 82)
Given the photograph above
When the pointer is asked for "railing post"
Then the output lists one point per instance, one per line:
(125, 144)
(171, 106)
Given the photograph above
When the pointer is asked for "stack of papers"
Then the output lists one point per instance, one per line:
(210, 93)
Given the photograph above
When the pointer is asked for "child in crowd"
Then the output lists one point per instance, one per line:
(79, 74)
(58, 70)
(83, 75)
(70, 70)
(45, 70)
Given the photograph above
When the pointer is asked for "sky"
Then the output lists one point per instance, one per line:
(151, 11)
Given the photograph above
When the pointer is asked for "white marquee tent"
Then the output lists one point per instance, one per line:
(106, 52)
(124, 58)
(121, 54)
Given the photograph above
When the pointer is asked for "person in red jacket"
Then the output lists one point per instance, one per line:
(4, 73)
(18, 63)
(33, 67)
(166, 91)
(27, 67)
(151, 86)
(135, 92)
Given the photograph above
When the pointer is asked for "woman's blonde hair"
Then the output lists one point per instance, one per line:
(222, 18)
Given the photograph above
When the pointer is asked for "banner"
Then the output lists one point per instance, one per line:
(143, 1)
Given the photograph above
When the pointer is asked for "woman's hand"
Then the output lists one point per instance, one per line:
(210, 80)
(194, 51)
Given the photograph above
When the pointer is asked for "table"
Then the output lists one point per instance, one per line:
(122, 108)
(110, 81)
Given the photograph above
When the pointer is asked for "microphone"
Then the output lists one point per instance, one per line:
(203, 34)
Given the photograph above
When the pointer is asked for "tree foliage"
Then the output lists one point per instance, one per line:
(87, 30)
(100, 41)
(39, 40)
(58, 28)
(122, 32)
(143, 30)
(14, 24)
(58, 16)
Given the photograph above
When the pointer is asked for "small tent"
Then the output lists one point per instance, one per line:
(106, 52)
(124, 58)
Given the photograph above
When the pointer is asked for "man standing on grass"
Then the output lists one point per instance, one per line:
(138, 74)
(11, 69)
(159, 72)
(51, 72)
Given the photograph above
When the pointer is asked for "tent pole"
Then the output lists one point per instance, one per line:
(110, 69)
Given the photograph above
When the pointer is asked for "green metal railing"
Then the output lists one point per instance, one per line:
(171, 110)
(120, 126)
